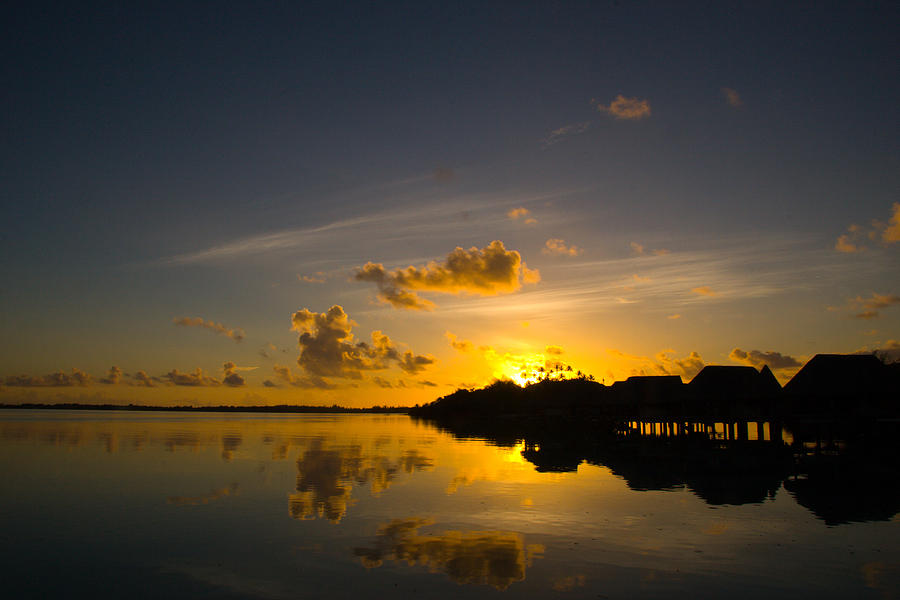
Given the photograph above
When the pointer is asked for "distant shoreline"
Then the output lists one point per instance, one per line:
(281, 408)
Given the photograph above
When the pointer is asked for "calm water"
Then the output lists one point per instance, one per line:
(331, 506)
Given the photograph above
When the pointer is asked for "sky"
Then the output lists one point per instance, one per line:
(302, 203)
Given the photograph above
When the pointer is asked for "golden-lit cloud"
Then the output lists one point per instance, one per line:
(521, 213)
(558, 247)
(412, 363)
(231, 376)
(704, 290)
(194, 378)
(885, 233)
(318, 277)
(554, 350)
(307, 381)
(458, 344)
(488, 271)
(756, 359)
(495, 558)
(77, 377)
(237, 334)
(891, 233)
(328, 349)
(732, 97)
(113, 377)
(673, 317)
(626, 108)
(871, 305)
(845, 244)
(141, 379)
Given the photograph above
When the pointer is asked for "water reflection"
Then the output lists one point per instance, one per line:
(623, 515)
(326, 476)
(495, 558)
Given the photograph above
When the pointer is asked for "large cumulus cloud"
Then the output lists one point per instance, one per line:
(487, 271)
(328, 348)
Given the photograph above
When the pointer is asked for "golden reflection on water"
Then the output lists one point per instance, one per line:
(494, 510)
(495, 558)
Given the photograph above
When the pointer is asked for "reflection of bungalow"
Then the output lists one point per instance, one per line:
(727, 389)
(839, 383)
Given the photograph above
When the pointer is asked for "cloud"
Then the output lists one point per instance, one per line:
(269, 383)
(318, 277)
(231, 376)
(113, 377)
(58, 379)
(663, 363)
(458, 344)
(517, 213)
(640, 250)
(306, 382)
(756, 359)
(673, 317)
(237, 334)
(412, 363)
(195, 378)
(704, 290)
(553, 350)
(327, 347)
(845, 244)
(143, 380)
(557, 247)
(873, 304)
(626, 108)
(887, 233)
(558, 135)
(891, 233)
(382, 383)
(732, 97)
(488, 271)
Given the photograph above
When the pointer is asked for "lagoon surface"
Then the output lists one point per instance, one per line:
(126, 504)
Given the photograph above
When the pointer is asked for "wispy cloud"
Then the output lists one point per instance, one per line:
(704, 290)
(413, 219)
(567, 131)
(236, 333)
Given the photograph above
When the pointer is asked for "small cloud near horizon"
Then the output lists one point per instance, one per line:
(757, 358)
